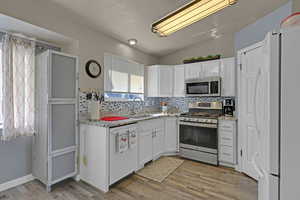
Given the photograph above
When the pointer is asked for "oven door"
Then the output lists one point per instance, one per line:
(198, 136)
(197, 88)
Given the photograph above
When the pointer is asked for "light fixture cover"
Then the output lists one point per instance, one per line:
(132, 42)
(189, 14)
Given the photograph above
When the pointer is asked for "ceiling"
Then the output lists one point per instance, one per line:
(125, 19)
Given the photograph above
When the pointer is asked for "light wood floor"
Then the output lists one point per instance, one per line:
(192, 180)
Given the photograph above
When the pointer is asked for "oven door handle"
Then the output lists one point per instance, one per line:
(199, 125)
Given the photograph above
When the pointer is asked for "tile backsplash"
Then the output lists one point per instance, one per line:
(180, 103)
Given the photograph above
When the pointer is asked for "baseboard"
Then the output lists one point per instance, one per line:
(16, 182)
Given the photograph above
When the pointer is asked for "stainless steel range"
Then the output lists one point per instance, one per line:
(198, 132)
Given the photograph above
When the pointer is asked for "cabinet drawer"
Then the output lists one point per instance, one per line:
(226, 140)
(226, 127)
(226, 154)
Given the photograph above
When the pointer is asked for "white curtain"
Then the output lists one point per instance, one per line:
(18, 85)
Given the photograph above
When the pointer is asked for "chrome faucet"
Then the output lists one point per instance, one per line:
(132, 112)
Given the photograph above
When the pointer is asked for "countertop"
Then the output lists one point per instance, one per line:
(110, 124)
(228, 118)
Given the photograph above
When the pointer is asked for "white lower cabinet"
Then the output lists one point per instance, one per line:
(151, 140)
(94, 156)
(158, 142)
(171, 135)
(227, 142)
(145, 146)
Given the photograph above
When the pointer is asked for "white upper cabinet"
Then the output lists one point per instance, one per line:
(119, 75)
(210, 68)
(136, 78)
(152, 81)
(193, 71)
(168, 81)
(227, 73)
(160, 81)
(122, 75)
(166, 77)
(178, 89)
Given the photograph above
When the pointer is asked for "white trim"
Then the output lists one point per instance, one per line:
(16, 182)
(77, 178)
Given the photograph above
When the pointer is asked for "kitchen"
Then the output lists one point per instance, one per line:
(184, 114)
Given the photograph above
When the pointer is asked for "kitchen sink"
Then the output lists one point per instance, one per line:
(139, 116)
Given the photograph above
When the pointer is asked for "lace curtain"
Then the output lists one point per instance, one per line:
(18, 85)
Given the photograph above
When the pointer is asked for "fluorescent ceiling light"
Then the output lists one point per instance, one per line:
(189, 14)
(132, 42)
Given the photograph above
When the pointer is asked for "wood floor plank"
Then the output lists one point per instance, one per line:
(191, 181)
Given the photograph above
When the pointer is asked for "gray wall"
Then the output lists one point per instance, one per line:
(257, 31)
(15, 159)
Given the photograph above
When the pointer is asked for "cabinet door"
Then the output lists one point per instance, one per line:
(63, 73)
(171, 135)
(227, 73)
(128, 159)
(165, 85)
(152, 81)
(178, 81)
(94, 152)
(62, 126)
(119, 75)
(62, 166)
(158, 143)
(136, 78)
(145, 147)
(211, 68)
(193, 71)
(107, 72)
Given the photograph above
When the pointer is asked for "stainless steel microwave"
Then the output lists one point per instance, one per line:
(208, 87)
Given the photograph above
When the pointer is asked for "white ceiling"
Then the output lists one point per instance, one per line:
(125, 19)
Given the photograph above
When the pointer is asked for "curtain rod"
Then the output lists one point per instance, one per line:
(20, 35)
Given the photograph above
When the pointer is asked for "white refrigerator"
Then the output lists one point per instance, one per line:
(279, 159)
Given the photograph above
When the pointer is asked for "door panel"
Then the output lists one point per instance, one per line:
(166, 74)
(252, 64)
(63, 126)
(179, 81)
(193, 71)
(63, 165)
(63, 73)
(145, 147)
(211, 68)
(158, 143)
(152, 81)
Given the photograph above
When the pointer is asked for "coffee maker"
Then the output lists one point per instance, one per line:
(228, 107)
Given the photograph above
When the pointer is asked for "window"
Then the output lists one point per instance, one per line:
(113, 96)
(124, 79)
